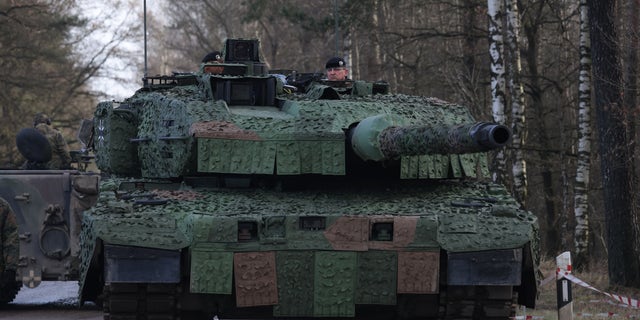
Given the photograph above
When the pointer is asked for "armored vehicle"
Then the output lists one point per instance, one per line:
(40, 217)
(238, 193)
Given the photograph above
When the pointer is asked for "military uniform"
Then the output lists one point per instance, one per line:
(8, 238)
(60, 158)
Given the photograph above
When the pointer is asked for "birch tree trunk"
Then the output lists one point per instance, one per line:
(496, 50)
(612, 138)
(519, 168)
(581, 185)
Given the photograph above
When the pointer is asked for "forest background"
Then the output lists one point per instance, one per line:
(55, 58)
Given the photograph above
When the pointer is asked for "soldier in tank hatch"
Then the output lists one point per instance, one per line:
(336, 69)
(210, 60)
(213, 57)
(61, 159)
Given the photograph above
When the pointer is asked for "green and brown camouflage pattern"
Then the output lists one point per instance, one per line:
(295, 263)
(178, 132)
(230, 195)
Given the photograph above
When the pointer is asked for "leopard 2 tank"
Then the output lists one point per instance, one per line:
(225, 193)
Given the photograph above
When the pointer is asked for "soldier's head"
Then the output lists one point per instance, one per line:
(336, 69)
(213, 57)
(209, 62)
(41, 118)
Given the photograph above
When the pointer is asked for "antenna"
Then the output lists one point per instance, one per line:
(145, 38)
(336, 29)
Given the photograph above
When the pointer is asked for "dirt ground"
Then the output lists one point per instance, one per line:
(587, 303)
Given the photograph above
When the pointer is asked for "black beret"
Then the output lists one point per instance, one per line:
(212, 57)
(335, 62)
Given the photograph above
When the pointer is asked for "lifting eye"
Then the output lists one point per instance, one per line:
(382, 231)
(247, 231)
(312, 223)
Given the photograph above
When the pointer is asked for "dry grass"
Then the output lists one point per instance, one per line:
(587, 303)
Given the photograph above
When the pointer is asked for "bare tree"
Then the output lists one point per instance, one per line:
(612, 138)
(631, 42)
(45, 66)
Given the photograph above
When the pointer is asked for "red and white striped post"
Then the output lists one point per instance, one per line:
(563, 285)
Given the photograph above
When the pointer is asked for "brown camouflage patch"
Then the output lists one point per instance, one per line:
(418, 272)
(349, 233)
(256, 279)
(222, 130)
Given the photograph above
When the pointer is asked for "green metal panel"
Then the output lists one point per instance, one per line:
(469, 163)
(288, 157)
(210, 155)
(439, 166)
(409, 167)
(423, 167)
(455, 165)
(295, 284)
(334, 278)
(426, 233)
(310, 158)
(215, 229)
(263, 162)
(333, 157)
(240, 156)
(377, 274)
(211, 272)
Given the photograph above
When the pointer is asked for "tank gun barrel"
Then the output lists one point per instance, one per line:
(381, 138)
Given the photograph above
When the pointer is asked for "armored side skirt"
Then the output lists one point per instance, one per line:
(141, 265)
(494, 267)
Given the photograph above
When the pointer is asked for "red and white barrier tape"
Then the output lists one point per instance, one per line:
(547, 280)
(625, 300)
(527, 318)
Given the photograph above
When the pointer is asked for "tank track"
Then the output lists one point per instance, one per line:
(478, 302)
(159, 301)
(133, 301)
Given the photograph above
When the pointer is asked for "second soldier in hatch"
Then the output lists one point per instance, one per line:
(336, 69)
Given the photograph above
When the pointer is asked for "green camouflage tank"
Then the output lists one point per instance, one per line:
(237, 193)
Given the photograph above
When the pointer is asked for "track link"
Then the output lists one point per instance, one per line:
(133, 301)
(478, 302)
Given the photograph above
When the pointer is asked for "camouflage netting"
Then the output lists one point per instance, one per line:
(166, 121)
(457, 216)
(176, 131)
(113, 130)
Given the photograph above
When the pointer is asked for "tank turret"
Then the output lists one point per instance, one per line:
(379, 138)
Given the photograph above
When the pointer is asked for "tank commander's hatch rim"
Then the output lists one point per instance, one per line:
(33, 145)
